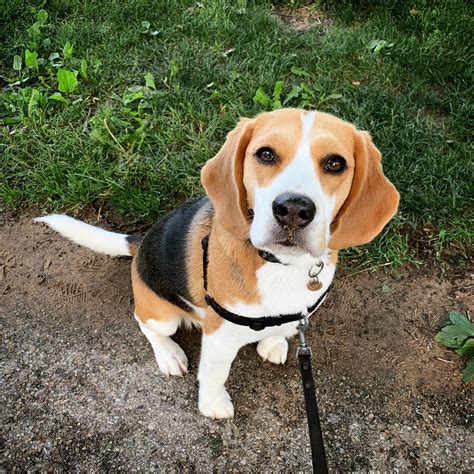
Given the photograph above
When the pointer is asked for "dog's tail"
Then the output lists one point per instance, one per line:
(95, 238)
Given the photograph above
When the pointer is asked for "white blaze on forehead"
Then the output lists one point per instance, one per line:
(299, 177)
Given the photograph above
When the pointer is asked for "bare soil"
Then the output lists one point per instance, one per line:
(303, 18)
(81, 390)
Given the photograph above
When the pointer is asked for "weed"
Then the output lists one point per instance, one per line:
(301, 95)
(216, 445)
(28, 95)
(377, 47)
(458, 334)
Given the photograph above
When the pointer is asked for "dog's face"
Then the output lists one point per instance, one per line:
(297, 173)
(298, 182)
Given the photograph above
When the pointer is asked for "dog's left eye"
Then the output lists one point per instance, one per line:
(266, 155)
(334, 164)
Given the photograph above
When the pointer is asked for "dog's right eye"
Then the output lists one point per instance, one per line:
(266, 156)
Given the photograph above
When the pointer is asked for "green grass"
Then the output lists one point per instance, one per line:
(402, 71)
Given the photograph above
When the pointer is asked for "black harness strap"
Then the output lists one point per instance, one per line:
(205, 260)
(257, 324)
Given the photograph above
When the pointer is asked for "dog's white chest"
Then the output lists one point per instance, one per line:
(285, 289)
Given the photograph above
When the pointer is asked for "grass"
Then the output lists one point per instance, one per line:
(159, 84)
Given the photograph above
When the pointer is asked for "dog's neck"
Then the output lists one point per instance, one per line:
(240, 260)
(234, 246)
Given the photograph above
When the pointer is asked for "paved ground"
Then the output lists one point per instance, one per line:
(81, 391)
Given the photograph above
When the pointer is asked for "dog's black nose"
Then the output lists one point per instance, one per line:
(293, 210)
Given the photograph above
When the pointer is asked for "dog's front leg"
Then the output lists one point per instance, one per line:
(217, 356)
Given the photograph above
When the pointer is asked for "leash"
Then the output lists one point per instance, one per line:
(303, 353)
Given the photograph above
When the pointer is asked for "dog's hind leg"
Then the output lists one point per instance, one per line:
(170, 358)
(158, 320)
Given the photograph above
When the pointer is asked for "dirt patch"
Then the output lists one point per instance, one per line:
(82, 391)
(436, 117)
(302, 19)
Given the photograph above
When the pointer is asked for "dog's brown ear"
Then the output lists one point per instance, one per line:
(222, 178)
(372, 200)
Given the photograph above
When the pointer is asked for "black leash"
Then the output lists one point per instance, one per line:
(303, 353)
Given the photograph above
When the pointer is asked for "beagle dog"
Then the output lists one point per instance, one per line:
(286, 191)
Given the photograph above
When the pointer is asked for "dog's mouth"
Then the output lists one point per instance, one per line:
(286, 243)
(290, 237)
(292, 243)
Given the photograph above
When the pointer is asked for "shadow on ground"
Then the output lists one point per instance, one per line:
(82, 391)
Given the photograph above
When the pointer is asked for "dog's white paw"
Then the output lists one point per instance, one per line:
(274, 349)
(170, 358)
(220, 406)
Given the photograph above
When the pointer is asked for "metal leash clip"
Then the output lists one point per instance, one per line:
(303, 348)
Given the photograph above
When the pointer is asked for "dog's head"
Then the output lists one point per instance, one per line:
(298, 182)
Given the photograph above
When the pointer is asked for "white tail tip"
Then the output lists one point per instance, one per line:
(95, 238)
